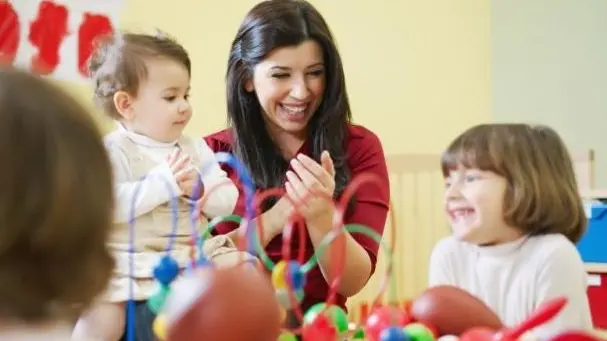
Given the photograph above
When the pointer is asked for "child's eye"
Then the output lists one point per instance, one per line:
(170, 98)
(186, 97)
(473, 177)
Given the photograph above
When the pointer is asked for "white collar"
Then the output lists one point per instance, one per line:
(145, 140)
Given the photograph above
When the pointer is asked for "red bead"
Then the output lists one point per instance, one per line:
(382, 318)
(321, 329)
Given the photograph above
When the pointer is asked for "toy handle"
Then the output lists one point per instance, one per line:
(543, 314)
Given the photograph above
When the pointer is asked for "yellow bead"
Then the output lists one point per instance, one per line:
(279, 275)
(283, 314)
(160, 327)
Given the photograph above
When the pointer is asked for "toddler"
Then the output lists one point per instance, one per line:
(55, 210)
(143, 82)
(512, 201)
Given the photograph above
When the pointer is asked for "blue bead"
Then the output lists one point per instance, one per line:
(298, 278)
(393, 334)
(166, 271)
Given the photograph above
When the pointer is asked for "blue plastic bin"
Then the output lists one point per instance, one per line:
(593, 245)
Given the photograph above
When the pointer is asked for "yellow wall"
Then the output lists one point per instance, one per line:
(418, 72)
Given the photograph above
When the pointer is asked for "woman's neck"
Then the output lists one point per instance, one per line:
(289, 144)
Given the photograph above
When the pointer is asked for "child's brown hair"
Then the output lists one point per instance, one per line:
(119, 64)
(56, 202)
(542, 195)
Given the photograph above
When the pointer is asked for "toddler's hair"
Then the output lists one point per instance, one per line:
(119, 64)
(56, 202)
(542, 195)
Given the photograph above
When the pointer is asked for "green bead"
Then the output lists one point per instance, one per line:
(337, 314)
(286, 336)
(340, 318)
(418, 332)
(359, 334)
(156, 301)
(313, 312)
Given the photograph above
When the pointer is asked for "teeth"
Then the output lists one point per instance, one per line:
(294, 110)
(462, 213)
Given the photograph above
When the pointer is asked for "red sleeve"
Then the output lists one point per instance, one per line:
(222, 142)
(372, 199)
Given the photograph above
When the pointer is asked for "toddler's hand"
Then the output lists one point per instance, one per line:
(191, 186)
(185, 174)
(180, 164)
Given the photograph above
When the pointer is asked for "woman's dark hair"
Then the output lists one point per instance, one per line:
(270, 25)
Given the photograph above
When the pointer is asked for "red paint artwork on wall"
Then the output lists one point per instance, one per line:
(9, 33)
(47, 22)
(46, 32)
(93, 27)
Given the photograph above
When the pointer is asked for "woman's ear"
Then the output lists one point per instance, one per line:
(248, 85)
(123, 102)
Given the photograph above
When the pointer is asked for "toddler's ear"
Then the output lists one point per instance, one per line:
(123, 102)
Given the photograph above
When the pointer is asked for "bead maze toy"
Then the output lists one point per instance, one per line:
(242, 303)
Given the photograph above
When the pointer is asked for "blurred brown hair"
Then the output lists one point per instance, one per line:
(542, 195)
(55, 202)
(119, 64)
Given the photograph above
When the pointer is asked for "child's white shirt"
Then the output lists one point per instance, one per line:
(160, 184)
(514, 279)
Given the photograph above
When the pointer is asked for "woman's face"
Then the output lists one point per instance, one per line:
(289, 84)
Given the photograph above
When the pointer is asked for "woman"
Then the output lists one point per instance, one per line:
(290, 124)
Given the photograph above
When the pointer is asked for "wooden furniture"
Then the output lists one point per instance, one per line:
(416, 189)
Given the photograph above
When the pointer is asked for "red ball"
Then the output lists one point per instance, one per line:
(452, 311)
(478, 334)
(382, 318)
(321, 329)
(224, 304)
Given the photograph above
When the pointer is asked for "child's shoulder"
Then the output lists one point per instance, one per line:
(549, 244)
(550, 248)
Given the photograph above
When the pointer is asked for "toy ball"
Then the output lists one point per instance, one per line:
(336, 314)
(478, 334)
(419, 332)
(160, 326)
(382, 318)
(448, 338)
(283, 270)
(453, 311)
(393, 334)
(321, 329)
(223, 304)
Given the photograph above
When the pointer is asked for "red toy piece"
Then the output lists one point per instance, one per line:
(452, 311)
(235, 303)
(320, 329)
(382, 318)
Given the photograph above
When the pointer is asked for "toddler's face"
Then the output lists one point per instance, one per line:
(161, 109)
(474, 203)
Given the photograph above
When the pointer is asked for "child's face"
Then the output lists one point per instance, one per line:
(474, 203)
(161, 109)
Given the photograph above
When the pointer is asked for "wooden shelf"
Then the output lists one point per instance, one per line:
(596, 267)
